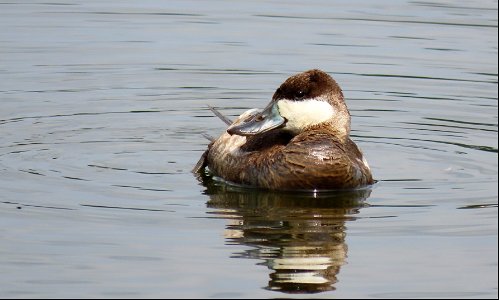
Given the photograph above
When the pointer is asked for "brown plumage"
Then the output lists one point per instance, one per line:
(314, 156)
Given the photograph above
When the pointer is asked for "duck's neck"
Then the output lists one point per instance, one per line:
(341, 132)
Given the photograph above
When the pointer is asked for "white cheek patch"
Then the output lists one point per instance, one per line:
(302, 114)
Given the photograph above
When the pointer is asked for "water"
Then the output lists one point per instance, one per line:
(102, 110)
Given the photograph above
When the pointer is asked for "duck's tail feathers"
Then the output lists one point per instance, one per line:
(201, 163)
(219, 115)
(208, 137)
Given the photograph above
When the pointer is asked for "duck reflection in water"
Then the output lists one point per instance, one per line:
(299, 236)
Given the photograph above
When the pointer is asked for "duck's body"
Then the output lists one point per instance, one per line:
(299, 142)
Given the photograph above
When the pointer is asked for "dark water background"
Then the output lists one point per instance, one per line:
(102, 110)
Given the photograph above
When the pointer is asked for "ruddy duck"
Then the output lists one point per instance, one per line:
(300, 141)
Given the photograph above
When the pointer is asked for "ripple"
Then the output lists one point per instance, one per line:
(125, 208)
(100, 126)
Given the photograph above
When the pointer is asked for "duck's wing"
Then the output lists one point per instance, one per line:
(322, 161)
(314, 160)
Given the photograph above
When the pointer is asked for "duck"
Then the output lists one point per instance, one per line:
(299, 141)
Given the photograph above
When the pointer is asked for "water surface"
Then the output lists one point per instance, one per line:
(102, 109)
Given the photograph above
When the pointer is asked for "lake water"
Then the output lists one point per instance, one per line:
(102, 109)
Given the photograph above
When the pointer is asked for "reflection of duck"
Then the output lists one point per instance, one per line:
(300, 237)
(299, 141)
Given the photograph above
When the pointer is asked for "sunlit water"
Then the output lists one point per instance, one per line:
(102, 109)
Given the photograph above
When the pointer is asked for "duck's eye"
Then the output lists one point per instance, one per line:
(300, 94)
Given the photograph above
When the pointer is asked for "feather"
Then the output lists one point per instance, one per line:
(208, 137)
(220, 115)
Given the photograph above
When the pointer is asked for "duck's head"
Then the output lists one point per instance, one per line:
(306, 100)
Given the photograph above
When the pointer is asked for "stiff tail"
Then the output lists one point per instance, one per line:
(201, 164)
(219, 115)
(208, 137)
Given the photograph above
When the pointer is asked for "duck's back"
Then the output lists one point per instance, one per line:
(314, 159)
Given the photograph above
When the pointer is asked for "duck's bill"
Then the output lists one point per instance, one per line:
(259, 123)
